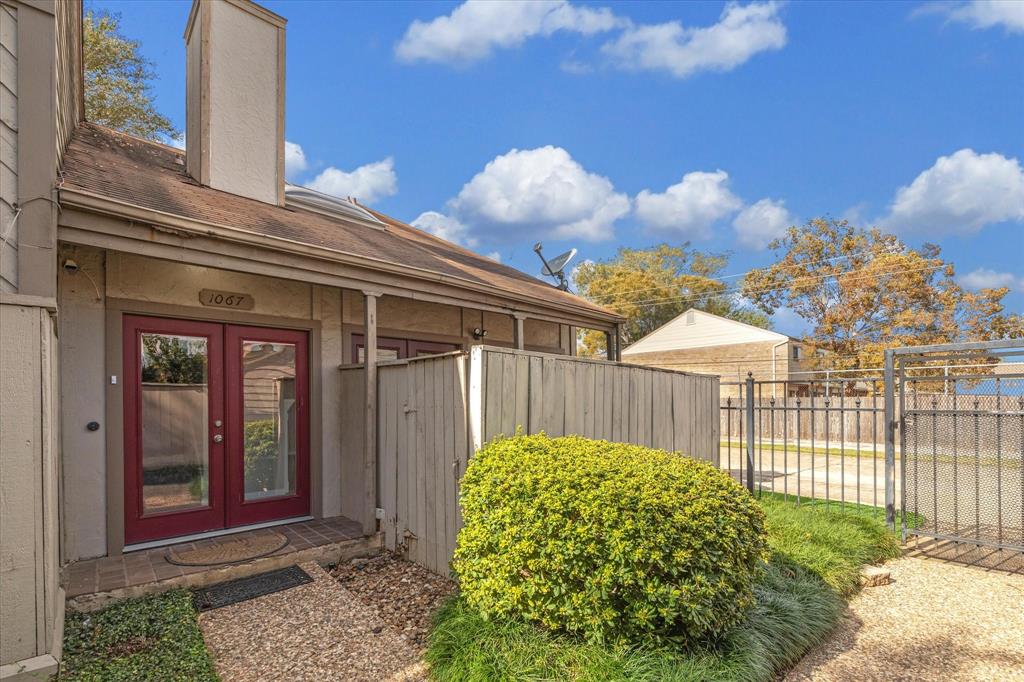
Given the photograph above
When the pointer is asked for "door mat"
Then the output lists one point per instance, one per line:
(231, 551)
(244, 589)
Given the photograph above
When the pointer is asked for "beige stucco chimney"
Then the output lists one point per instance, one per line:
(234, 113)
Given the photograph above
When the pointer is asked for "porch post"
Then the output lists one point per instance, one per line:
(520, 338)
(370, 413)
(609, 346)
(618, 343)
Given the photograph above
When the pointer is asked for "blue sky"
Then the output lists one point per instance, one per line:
(597, 125)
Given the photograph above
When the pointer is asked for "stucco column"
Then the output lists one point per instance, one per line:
(370, 412)
(519, 335)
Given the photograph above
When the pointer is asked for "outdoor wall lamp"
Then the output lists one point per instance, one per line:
(479, 333)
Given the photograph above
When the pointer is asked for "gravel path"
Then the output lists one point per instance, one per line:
(318, 631)
(935, 621)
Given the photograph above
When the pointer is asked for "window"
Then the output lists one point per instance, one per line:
(796, 353)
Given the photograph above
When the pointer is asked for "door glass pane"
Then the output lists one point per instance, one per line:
(174, 391)
(268, 380)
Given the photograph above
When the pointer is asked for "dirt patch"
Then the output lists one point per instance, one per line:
(404, 594)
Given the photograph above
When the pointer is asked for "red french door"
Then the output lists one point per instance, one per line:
(216, 426)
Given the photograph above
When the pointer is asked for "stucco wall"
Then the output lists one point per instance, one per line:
(244, 68)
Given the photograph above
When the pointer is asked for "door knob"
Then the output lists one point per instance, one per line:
(218, 438)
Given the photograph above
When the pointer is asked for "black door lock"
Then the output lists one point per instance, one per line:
(93, 426)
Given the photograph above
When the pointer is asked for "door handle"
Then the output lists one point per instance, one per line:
(218, 438)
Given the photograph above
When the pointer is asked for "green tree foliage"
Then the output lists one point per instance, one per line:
(118, 81)
(652, 286)
(170, 360)
(862, 291)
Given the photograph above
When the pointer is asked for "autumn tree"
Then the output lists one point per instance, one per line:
(651, 286)
(862, 291)
(118, 81)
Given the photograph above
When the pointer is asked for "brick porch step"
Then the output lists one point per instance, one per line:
(95, 583)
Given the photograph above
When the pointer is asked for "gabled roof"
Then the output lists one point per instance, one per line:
(105, 163)
(705, 331)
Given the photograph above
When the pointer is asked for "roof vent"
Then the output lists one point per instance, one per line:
(690, 317)
(330, 206)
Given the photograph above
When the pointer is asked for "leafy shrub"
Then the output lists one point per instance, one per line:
(260, 459)
(607, 541)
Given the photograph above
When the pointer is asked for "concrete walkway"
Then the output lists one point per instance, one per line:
(935, 621)
(318, 631)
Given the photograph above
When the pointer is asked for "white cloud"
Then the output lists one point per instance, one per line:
(294, 160)
(741, 32)
(477, 27)
(984, 278)
(445, 227)
(761, 222)
(689, 207)
(960, 193)
(494, 256)
(366, 183)
(982, 13)
(541, 192)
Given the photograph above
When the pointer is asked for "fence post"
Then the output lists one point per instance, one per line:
(750, 432)
(890, 441)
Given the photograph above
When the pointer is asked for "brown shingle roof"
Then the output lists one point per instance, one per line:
(110, 164)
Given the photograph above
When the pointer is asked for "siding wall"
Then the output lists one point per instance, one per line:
(730, 362)
(31, 601)
(8, 146)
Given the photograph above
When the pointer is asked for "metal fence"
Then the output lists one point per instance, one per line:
(817, 439)
(937, 442)
(963, 451)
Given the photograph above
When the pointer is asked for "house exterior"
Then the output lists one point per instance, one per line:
(697, 341)
(173, 323)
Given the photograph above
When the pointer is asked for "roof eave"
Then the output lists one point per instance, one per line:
(97, 203)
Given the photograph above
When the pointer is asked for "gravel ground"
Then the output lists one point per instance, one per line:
(935, 621)
(404, 594)
(318, 631)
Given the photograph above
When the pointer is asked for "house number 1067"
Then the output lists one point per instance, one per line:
(226, 299)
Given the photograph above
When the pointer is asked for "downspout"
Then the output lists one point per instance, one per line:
(776, 346)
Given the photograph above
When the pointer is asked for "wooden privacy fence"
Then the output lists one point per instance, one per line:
(433, 412)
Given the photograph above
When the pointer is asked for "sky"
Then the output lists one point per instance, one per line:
(597, 125)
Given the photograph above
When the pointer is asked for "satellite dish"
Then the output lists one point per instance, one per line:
(556, 266)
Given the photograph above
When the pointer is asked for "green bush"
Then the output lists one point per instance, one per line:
(260, 457)
(610, 542)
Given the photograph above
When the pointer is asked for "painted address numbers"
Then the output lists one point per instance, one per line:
(226, 299)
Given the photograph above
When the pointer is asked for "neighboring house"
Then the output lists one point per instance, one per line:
(197, 305)
(709, 344)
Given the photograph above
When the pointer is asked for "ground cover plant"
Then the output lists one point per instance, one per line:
(814, 555)
(151, 638)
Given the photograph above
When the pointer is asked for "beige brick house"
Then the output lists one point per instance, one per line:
(709, 344)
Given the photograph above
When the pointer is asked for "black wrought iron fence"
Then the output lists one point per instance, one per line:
(812, 439)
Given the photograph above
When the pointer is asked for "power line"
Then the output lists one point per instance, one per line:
(652, 302)
(732, 276)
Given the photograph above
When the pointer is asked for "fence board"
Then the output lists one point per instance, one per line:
(424, 435)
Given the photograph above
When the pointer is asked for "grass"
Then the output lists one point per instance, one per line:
(867, 450)
(151, 638)
(816, 558)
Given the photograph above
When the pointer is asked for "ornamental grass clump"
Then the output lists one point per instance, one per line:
(610, 542)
